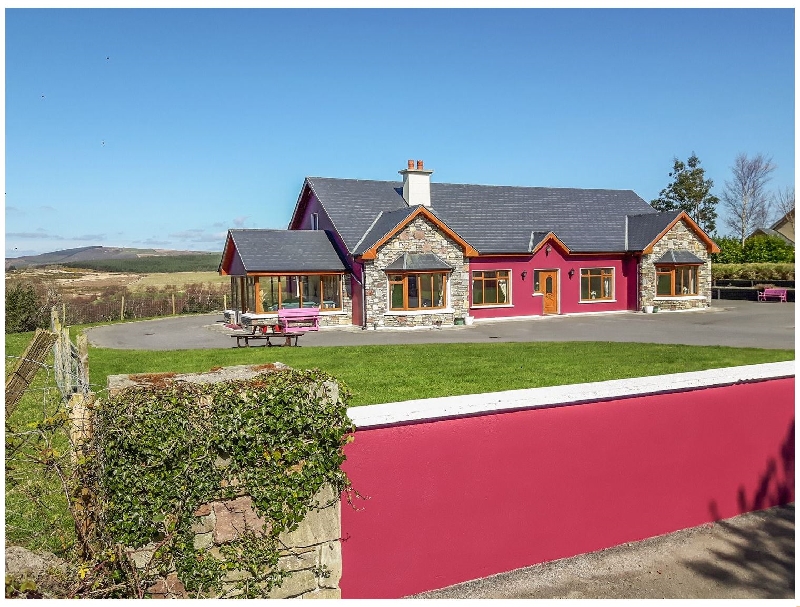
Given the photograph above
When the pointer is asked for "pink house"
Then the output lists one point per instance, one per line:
(417, 253)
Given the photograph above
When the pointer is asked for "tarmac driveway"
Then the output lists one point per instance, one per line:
(748, 556)
(725, 323)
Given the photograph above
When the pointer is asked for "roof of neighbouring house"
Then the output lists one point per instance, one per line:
(494, 219)
(771, 232)
(283, 251)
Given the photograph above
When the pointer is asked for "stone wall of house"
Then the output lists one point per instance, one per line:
(420, 236)
(680, 237)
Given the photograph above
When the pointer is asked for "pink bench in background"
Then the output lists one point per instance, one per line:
(780, 294)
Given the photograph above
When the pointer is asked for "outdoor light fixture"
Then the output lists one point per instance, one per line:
(524, 274)
(547, 249)
(571, 272)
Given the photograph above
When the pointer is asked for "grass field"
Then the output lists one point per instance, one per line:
(35, 506)
(378, 374)
(178, 279)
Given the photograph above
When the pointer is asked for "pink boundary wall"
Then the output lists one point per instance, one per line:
(467, 496)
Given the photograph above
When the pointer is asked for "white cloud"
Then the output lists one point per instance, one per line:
(34, 235)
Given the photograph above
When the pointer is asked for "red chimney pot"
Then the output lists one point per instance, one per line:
(419, 165)
(410, 165)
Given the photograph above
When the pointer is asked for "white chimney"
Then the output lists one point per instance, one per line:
(416, 184)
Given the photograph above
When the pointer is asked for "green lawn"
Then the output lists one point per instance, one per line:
(378, 374)
(36, 507)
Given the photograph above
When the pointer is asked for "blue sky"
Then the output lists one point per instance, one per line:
(164, 128)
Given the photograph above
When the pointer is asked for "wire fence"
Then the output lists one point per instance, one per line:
(78, 312)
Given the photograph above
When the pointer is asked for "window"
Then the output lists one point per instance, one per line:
(676, 281)
(302, 291)
(491, 288)
(315, 221)
(417, 291)
(597, 283)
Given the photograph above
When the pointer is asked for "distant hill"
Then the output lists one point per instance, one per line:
(120, 259)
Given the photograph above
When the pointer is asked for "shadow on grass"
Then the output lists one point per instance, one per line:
(759, 558)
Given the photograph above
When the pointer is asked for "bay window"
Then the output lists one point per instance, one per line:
(417, 291)
(676, 281)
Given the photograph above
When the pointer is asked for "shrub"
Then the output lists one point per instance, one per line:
(759, 249)
(730, 250)
(25, 309)
(753, 271)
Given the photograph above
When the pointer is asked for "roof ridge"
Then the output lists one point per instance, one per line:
(484, 185)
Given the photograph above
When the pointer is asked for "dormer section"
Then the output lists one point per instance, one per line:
(416, 184)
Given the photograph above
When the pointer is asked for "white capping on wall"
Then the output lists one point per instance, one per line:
(429, 409)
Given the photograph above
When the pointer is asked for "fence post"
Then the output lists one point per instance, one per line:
(122, 309)
(224, 301)
(173, 304)
(27, 366)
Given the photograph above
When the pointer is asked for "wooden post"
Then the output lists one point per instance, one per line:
(224, 301)
(122, 309)
(64, 312)
(173, 304)
(25, 370)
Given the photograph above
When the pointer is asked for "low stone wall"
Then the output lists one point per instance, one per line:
(312, 552)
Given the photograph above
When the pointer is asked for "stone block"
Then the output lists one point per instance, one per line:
(330, 557)
(294, 585)
(203, 510)
(236, 575)
(299, 560)
(203, 541)
(140, 557)
(323, 593)
(168, 588)
(234, 517)
(204, 524)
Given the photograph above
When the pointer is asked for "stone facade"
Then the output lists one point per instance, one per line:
(679, 238)
(420, 236)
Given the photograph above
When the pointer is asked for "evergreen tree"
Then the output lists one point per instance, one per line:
(690, 191)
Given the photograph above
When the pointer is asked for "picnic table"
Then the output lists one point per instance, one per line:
(288, 324)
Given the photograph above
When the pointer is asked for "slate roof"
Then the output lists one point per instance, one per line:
(419, 261)
(493, 219)
(286, 251)
(679, 256)
(771, 232)
(642, 229)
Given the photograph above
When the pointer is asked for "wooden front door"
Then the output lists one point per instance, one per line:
(549, 286)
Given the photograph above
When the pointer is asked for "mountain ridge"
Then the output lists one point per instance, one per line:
(92, 253)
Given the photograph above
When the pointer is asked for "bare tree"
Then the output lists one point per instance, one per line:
(745, 197)
(783, 203)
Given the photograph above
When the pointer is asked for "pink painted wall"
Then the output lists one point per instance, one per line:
(460, 499)
(525, 304)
